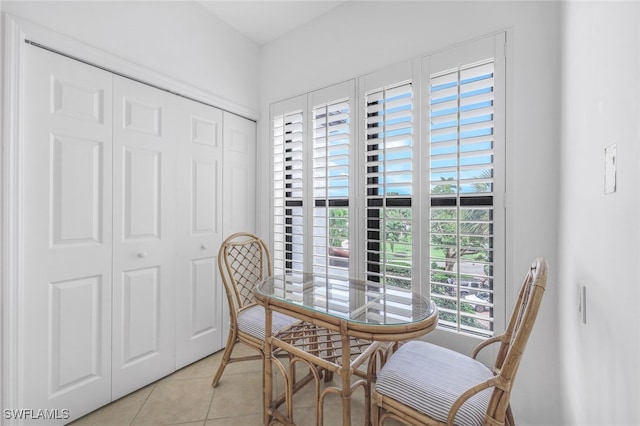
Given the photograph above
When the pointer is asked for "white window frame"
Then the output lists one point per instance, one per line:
(450, 58)
(306, 104)
(280, 247)
(339, 92)
(394, 75)
(418, 71)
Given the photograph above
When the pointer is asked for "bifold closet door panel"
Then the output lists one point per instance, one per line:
(65, 320)
(199, 295)
(145, 137)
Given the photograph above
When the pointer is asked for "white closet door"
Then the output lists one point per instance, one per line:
(144, 147)
(66, 315)
(198, 236)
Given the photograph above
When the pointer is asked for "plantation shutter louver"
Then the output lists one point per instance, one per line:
(331, 138)
(461, 114)
(330, 168)
(288, 195)
(389, 184)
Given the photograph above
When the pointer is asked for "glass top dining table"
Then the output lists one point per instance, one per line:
(359, 316)
(366, 306)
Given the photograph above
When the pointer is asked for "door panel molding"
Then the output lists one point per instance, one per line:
(86, 339)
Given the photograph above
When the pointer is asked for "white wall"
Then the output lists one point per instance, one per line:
(360, 37)
(181, 40)
(599, 233)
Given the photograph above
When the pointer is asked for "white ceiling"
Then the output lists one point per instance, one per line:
(264, 21)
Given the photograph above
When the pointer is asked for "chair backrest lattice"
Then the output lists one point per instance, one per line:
(244, 261)
(515, 337)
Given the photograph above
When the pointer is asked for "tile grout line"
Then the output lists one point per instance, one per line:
(213, 394)
(154, 384)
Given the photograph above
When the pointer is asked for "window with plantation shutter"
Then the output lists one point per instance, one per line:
(402, 184)
(462, 192)
(330, 169)
(312, 142)
(389, 184)
(288, 190)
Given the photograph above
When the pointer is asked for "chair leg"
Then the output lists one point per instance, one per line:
(510, 420)
(375, 413)
(367, 403)
(231, 341)
(371, 378)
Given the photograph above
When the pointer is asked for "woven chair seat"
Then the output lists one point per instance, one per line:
(251, 321)
(429, 379)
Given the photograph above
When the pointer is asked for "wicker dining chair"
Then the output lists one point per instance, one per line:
(244, 260)
(425, 384)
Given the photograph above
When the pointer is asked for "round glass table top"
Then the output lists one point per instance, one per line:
(357, 301)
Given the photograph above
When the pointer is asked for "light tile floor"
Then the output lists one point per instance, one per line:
(187, 398)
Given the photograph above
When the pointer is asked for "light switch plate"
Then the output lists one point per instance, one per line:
(610, 169)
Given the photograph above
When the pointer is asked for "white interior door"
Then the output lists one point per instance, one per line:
(144, 148)
(66, 310)
(198, 232)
